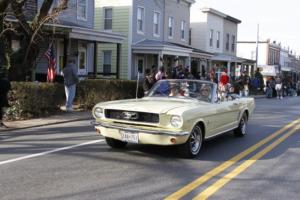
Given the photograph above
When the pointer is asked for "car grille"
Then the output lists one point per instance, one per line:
(132, 116)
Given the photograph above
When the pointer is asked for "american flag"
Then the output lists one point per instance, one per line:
(51, 63)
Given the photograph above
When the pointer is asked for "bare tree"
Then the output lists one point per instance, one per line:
(32, 34)
(3, 43)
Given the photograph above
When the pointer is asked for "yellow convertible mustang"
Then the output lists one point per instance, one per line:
(174, 112)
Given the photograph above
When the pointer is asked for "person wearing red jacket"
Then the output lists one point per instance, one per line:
(224, 79)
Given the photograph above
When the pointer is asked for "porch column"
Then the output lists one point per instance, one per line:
(252, 70)
(66, 43)
(160, 60)
(95, 58)
(228, 68)
(118, 60)
(189, 62)
(209, 65)
(235, 65)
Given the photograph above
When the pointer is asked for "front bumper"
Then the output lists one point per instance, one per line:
(146, 136)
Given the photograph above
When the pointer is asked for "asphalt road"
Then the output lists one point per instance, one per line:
(69, 161)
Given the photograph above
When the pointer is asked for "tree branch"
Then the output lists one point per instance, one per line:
(18, 11)
(3, 5)
(43, 12)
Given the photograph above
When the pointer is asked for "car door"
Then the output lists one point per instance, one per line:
(226, 116)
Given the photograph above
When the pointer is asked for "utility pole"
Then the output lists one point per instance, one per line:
(257, 41)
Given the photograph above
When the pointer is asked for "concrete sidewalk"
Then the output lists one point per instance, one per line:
(54, 119)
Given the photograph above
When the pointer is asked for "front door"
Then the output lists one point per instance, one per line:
(82, 60)
(60, 56)
(140, 66)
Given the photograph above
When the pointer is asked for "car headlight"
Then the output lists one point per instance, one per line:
(98, 113)
(176, 121)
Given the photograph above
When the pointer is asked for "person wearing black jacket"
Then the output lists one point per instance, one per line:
(149, 80)
(244, 81)
(4, 88)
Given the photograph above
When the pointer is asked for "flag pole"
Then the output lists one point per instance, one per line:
(257, 41)
(137, 85)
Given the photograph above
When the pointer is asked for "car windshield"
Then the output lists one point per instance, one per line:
(191, 89)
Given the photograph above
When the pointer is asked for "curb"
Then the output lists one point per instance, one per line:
(259, 97)
(45, 124)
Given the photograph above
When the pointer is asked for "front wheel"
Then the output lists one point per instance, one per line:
(192, 147)
(115, 143)
(241, 130)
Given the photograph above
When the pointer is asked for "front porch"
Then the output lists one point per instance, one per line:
(150, 54)
(81, 44)
(232, 65)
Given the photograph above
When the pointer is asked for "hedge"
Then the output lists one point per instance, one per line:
(90, 92)
(36, 99)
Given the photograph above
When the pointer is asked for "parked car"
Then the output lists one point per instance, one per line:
(174, 112)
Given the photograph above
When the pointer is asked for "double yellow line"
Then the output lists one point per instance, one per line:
(228, 177)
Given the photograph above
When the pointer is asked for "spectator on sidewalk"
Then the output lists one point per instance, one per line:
(278, 87)
(259, 76)
(70, 80)
(298, 88)
(161, 74)
(212, 77)
(244, 84)
(224, 79)
(149, 80)
(4, 88)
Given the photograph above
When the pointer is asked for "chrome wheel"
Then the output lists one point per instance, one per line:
(243, 126)
(196, 140)
(191, 148)
(241, 130)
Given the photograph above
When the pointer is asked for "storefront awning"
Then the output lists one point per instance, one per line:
(286, 69)
(269, 70)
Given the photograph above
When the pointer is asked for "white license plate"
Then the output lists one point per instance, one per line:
(128, 136)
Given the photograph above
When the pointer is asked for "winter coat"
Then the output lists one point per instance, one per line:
(4, 88)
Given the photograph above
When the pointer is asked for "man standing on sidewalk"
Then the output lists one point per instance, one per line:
(244, 84)
(70, 81)
(4, 88)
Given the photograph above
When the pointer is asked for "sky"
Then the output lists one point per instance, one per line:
(278, 20)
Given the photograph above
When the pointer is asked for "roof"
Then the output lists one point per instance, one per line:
(81, 33)
(190, 1)
(220, 14)
(229, 58)
(155, 45)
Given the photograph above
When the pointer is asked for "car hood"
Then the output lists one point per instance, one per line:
(149, 104)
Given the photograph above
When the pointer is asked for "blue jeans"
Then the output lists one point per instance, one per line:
(70, 94)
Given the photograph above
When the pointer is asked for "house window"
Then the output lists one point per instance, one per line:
(107, 18)
(156, 23)
(233, 43)
(106, 62)
(218, 39)
(227, 42)
(182, 30)
(82, 9)
(82, 58)
(140, 19)
(170, 27)
(211, 36)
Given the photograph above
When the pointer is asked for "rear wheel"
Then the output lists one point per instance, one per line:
(115, 143)
(192, 147)
(241, 130)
